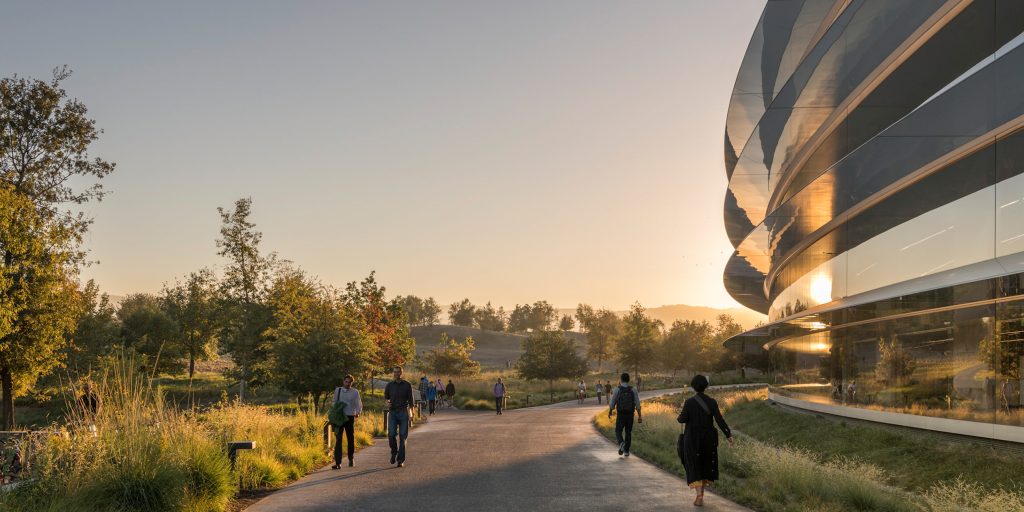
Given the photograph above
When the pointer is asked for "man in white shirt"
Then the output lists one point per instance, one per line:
(353, 408)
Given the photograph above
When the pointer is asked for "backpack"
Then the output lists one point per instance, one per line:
(336, 416)
(626, 402)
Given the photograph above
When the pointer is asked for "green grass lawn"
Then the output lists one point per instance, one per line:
(790, 461)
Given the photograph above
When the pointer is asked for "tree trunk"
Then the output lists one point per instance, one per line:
(551, 390)
(241, 383)
(7, 386)
(191, 365)
(316, 402)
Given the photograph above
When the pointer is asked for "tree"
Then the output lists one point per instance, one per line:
(384, 321)
(640, 335)
(149, 331)
(315, 338)
(566, 323)
(602, 328)
(519, 319)
(191, 305)
(451, 357)
(431, 312)
(550, 355)
(542, 315)
(97, 330)
(44, 151)
(893, 364)
(584, 315)
(714, 354)
(490, 319)
(243, 314)
(462, 313)
(38, 309)
(413, 307)
(683, 343)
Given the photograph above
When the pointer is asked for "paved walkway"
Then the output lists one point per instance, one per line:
(547, 458)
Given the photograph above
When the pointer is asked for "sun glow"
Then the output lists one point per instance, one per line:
(821, 289)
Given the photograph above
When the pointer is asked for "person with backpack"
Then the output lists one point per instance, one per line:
(624, 401)
(698, 445)
(347, 399)
(600, 392)
(499, 395)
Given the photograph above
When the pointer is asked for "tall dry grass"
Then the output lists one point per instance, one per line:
(138, 453)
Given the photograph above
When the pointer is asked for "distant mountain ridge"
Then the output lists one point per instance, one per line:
(670, 313)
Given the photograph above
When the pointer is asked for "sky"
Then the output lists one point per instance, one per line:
(509, 152)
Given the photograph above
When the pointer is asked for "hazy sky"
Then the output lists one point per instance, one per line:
(506, 151)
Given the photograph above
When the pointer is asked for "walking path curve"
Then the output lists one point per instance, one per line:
(548, 458)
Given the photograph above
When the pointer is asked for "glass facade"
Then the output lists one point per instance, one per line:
(877, 204)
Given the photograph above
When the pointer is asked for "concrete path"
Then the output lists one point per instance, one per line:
(547, 458)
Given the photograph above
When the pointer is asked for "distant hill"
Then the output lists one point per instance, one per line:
(493, 349)
(669, 314)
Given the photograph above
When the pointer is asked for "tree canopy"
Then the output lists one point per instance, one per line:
(462, 313)
(451, 357)
(636, 345)
(550, 356)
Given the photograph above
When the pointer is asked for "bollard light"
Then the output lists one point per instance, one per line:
(234, 446)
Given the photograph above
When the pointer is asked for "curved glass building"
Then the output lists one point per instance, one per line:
(875, 156)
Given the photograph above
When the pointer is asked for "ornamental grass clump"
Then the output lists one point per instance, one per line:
(132, 454)
(959, 495)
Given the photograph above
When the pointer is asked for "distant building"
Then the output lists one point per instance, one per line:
(875, 156)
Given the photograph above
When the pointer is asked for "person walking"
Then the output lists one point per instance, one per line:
(398, 397)
(624, 401)
(431, 398)
(600, 391)
(499, 395)
(699, 446)
(581, 392)
(439, 384)
(449, 391)
(348, 395)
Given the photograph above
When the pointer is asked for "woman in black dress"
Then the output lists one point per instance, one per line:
(699, 448)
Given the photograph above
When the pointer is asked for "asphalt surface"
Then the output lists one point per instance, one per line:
(547, 458)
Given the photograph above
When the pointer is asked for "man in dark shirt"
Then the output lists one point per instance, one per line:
(398, 395)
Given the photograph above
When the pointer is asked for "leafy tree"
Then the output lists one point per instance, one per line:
(490, 319)
(536, 317)
(243, 313)
(519, 319)
(315, 338)
(44, 151)
(384, 321)
(542, 315)
(148, 330)
(603, 328)
(714, 354)
(639, 339)
(192, 306)
(451, 357)
(584, 315)
(38, 309)
(893, 364)
(462, 313)
(431, 312)
(566, 323)
(413, 307)
(683, 343)
(97, 331)
(550, 355)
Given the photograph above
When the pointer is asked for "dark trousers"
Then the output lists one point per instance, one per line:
(432, 404)
(497, 404)
(349, 428)
(624, 422)
(398, 432)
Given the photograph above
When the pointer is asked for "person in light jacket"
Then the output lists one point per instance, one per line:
(353, 408)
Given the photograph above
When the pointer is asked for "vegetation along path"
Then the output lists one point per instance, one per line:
(546, 458)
